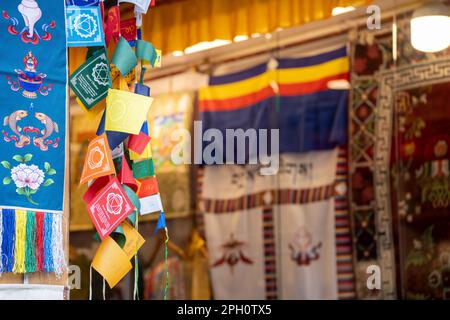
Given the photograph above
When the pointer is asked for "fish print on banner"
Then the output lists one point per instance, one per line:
(33, 78)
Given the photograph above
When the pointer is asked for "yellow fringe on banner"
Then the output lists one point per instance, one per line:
(19, 248)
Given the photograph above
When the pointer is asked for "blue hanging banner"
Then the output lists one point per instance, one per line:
(33, 98)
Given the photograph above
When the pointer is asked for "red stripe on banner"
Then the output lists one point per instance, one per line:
(236, 103)
(40, 240)
(295, 89)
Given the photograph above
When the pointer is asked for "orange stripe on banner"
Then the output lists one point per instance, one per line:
(300, 88)
(236, 103)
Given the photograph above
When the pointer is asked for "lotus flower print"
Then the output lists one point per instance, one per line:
(114, 203)
(27, 178)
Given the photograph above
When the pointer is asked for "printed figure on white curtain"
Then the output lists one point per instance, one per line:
(304, 251)
(233, 253)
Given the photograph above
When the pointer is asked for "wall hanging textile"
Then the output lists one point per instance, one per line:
(264, 231)
(420, 174)
(33, 91)
(293, 98)
(118, 166)
(373, 187)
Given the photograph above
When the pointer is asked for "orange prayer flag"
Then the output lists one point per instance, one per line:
(98, 161)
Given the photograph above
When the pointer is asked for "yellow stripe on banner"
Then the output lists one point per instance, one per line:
(282, 76)
(237, 89)
(313, 73)
(19, 245)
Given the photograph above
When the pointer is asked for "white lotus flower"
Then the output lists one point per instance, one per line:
(27, 176)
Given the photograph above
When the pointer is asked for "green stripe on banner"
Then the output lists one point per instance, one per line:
(30, 243)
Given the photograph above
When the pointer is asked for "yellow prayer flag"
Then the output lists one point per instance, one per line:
(133, 240)
(111, 261)
(126, 111)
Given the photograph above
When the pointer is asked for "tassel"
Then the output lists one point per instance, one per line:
(30, 243)
(40, 241)
(19, 249)
(59, 261)
(8, 239)
(1, 238)
(48, 254)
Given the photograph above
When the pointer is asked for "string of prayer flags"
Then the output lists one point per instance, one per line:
(109, 208)
(126, 111)
(31, 241)
(124, 58)
(91, 81)
(102, 89)
(98, 161)
(84, 26)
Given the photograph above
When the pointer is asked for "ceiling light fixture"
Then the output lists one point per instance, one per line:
(430, 25)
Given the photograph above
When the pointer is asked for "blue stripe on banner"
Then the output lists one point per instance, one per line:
(257, 116)
(313, 60)
(238, 76)
(8, 236)
(48, 255)
(33, 92)
(316, 121)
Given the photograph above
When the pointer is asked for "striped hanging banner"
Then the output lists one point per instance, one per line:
(33, 91)
(293, 98)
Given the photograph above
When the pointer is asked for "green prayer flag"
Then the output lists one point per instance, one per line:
(143, 169)
(124, 58)
(91, 80)
(146, 52)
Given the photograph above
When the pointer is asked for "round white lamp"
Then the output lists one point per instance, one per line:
(430, 27)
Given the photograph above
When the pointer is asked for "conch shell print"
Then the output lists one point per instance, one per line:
(31, 14)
